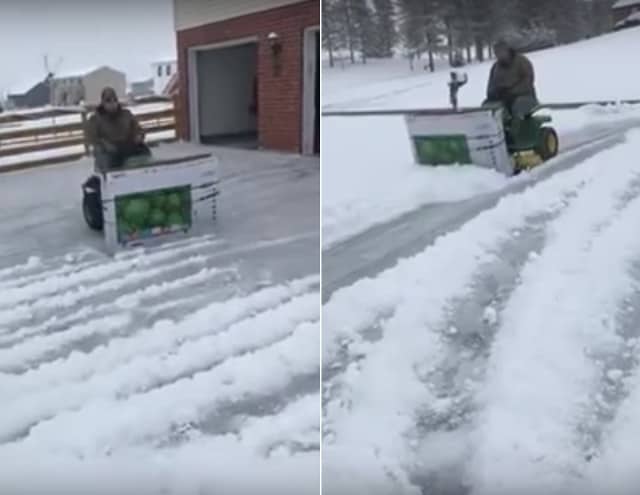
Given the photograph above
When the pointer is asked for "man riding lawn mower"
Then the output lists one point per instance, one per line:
(504, 134)
(117, 140)
(135, 199)
(512, 87)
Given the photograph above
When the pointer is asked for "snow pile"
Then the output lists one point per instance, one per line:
(369, 176)
(581, 278)
(573, 121)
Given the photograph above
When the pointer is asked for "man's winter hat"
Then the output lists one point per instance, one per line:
(503, 43)
(109, 94)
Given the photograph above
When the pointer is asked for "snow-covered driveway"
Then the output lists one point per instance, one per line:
(503, 358)
(381, 246)
(179, 368)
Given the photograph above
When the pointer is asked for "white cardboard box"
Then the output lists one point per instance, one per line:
(196, 176)
(483, 129)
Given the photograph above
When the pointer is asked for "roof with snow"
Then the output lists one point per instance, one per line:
(81, 72)
(620, 4)
(25, 86)
(164, 61)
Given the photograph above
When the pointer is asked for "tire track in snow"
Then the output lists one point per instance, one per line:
(231, 370)
(92, 272)
(105, 424)
(146, 373)
(358, 395)
(264, 441)
(162, 337)
(543, 371)
(474, 322)
(86, 294)
(128, 301)
(85, 335)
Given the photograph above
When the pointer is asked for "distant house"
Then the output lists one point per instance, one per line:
(86, 86)
(138, 89)
(38, 95)
(622, 9)
(162, 72)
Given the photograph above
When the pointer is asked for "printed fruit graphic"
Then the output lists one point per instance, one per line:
(173, 202)
(149, 214)
(157, 218)
(123, 227)
(175, 219)
(136, 212)
(158, 201)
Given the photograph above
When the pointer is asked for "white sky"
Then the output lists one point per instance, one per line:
(127, 35)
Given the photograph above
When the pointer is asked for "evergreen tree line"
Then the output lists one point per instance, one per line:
(464, 30)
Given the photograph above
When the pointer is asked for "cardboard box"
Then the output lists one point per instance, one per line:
(159, 201)
(470, 137)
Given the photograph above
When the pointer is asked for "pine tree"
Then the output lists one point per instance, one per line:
(385, 27)
(362, 19)
(330, 29)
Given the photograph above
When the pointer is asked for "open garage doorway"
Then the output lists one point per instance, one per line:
(311, 92)
(223, 92)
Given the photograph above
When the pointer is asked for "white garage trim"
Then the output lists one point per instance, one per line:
(192, 13)
(192, 74)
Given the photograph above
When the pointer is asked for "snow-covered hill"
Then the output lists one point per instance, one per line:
(377, 148)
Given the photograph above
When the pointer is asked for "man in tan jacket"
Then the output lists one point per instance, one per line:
(114, 132)
(512, 82)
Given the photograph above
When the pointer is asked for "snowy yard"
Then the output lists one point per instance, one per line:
(179, 367)
(368, 172)
(565, 73)
(500, 355)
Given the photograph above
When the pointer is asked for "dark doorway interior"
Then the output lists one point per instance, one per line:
(227, 83)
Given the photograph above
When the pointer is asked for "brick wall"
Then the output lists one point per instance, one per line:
(279, 96)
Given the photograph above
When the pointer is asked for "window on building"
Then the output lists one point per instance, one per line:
(159, 70)
(168, 70)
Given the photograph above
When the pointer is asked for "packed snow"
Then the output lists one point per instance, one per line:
(369, 175)
(517, 372)
(179, 368)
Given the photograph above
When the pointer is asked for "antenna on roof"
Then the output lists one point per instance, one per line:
(50, 72)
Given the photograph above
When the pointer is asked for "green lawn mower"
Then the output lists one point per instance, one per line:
(486, 136)
(530, 141)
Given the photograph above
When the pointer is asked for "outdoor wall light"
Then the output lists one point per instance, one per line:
(276, 50)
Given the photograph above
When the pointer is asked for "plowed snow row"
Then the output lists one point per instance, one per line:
(156, 372)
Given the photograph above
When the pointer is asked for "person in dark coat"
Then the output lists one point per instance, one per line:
(512, 82)
(114, 132)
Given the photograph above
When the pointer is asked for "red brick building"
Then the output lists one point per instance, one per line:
(249, 73)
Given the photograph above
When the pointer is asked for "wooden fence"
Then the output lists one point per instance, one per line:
(26, 140)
